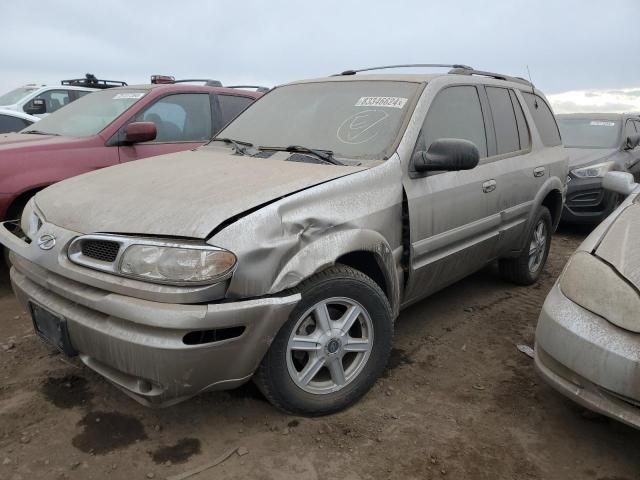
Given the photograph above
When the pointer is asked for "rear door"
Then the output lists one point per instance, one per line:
(183, 121)
(454, 217)
(523, 171)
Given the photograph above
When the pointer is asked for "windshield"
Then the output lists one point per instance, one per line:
(90, 114)
(354, 119)
(589, 133)
(14, 96)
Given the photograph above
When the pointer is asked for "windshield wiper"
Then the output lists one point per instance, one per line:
(243, 148)
(324, 155)
(39, 132)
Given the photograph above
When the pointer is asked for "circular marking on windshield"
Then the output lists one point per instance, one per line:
(361, 127)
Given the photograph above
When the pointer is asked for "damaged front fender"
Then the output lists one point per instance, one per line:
(289, 240)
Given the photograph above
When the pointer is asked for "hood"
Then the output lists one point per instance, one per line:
(11, 141)
(585, 156)
(620, 248)
(185, 194)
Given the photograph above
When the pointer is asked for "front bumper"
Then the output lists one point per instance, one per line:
(139, 344)
(587, 202)
(588, 359)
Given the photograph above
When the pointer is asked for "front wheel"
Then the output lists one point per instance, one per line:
(526, 269)
(332, 349)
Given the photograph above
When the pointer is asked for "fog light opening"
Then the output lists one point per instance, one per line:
(201, 337)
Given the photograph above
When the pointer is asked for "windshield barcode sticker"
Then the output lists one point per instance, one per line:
(598, 123)
(128, 96)
(391, 102)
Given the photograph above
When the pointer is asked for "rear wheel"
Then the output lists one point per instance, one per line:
(526, 269)
(332, 349)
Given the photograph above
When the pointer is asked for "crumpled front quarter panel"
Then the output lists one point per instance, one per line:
(289, 240)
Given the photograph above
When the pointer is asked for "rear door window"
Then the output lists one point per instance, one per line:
(455, 113)
(504, 120)
(544, 119)
(184, 117)
(523, 128)
(232, 105)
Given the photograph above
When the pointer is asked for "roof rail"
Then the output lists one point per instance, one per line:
(408, 65)
(164, 79)
(91, 81)
(499, 76)
(257, 87)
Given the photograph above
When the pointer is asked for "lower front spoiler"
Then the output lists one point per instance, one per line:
(584, 392)
(588, 359)
(139, 345)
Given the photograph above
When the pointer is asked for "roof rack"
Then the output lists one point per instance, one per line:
(499, 76)
(457, 69)
(257, 87)
(408, 65)
(91, 81)
(166, 79)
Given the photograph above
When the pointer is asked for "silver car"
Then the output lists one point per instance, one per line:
(587, 339)
(283, 250)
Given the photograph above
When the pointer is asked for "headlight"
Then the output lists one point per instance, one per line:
(175, 264)
(30, 222)
(596, 286)
(593, 171)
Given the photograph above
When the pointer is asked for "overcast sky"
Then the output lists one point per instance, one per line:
(569, 45)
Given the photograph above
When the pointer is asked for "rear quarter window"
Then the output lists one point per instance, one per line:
(543, 118)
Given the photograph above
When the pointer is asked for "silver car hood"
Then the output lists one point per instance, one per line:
(619, 246)
(186, 194)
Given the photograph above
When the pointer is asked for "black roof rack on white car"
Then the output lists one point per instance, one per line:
(91, 81)
(456, 68)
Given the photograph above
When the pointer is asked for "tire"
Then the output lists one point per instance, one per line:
(342, 290)
(520, 270)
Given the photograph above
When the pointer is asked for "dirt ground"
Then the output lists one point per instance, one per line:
(458, 401)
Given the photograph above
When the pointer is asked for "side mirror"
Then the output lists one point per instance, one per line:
(138, 132)
(632, 142)
(447, 154)
(619, 182)
(37, 106)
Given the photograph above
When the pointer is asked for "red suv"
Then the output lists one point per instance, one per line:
(114, 126)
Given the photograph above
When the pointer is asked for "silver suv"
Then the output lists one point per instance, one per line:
(284, 249)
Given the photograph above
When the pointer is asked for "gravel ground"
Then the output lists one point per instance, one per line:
(457, 401)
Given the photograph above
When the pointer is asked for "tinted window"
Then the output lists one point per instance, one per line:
(543, 118)
(455, 113)
(504, 120)
(55, 99)
(589, 132)
(12, 124)
(232, 105)
(523, 129)
(184, 117)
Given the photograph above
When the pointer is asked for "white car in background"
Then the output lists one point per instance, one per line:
(12, 121)
(40, 100)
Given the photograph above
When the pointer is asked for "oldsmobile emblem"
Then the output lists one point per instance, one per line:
(46, 241)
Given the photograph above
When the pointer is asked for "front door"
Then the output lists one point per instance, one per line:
(454, 216)
(183, 122)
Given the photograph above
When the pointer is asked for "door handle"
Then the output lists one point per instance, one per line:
(538, 171)
(489, 186)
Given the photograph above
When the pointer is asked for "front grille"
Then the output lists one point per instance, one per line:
(103, 250)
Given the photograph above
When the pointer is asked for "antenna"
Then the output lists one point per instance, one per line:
(533, 91)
